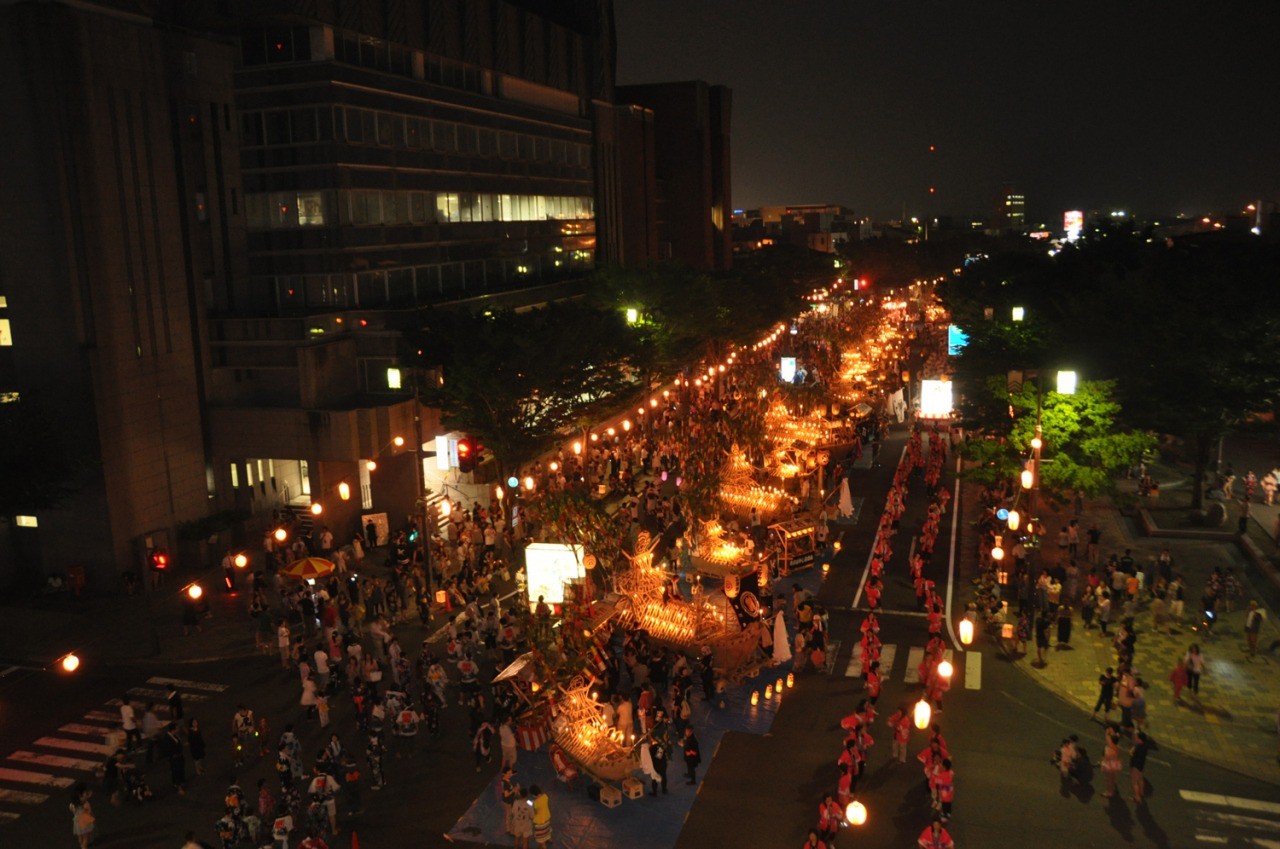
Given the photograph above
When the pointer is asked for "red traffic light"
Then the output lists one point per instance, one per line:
(159, 560)
(466, 455)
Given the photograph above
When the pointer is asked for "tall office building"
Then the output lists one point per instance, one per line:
(221, 214)
(1009, 214)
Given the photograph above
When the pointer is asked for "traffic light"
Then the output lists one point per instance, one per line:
(466, 455)
(159, 560)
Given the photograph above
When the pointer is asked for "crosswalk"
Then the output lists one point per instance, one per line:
(1233, 820)
(967, 666)
(55, 761)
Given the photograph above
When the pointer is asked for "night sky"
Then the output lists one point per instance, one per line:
(1153, 107)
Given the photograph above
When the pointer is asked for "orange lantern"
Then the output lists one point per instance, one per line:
(922, 714)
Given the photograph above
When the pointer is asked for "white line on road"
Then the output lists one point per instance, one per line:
(58, 761)
(857, 596)
(1208, 837)
(8, 816)
(44, 779)
(86, 730)
(162, 696)
(914, 657)
(103, 716)
(854, 669)
(887, 655)
(973, 670)
(951, 561)
(1230, 801)
(22, 797)
(190, 685)
(74, 745)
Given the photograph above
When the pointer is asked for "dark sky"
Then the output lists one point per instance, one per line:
(1158, 107)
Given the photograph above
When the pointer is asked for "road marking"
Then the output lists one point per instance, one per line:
(887, 655)
(22, 797)
(920, 614)
(74, 745)
(1230, 801)
(833, 650)
(59, 761)
(857, 596)
(163, 695)
(973, 670)
(86, 730)
(21, 776)
(103, 716)
(1238, 820)
(190, 685)
(854, 669)
(951, 560)
(1207, 837)
(914, 657)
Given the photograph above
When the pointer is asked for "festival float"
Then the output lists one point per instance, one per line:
(720, 553)
(708, 620)
(578, 728)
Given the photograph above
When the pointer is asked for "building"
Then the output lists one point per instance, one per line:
(229, 210)
(691, 123)
(1009, 212)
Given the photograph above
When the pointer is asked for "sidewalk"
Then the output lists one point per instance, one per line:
(1235, 727)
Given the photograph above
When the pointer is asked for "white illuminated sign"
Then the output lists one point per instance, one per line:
(26, 521)
(935, 398)
(787, 369)
(548, 566)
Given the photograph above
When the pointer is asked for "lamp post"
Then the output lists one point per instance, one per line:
(424, 534)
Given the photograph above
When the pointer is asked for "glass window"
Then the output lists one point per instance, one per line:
(525, 146)
(251, 128)
(413, 133)
(402, 207)
(539, 208)
(355, 131)
(486, 208)
(506, 208)
(303, 125)
(235, 476)
(255, 211)
(486, 142)
(386, 129)
(417, 207)
(367, 126)
(310, 208)
(447, 207)
(465, 207)
(284, 211)
(540, 153)
(444, 136)
(277, 126)
(388, 207)
(358, 204)
(507, 145)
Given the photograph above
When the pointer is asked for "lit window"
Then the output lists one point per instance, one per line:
(310, 208)
(235, 476)
(26, 521)
(9, 397)
(393, 378)
(4, 302)
(261, 477)
(6, 337)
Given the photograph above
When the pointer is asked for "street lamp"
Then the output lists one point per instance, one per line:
(1019, 313)
(317, 508)
(69, 662)
(1067, 382)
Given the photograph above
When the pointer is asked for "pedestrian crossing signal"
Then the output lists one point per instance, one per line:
(159, 561)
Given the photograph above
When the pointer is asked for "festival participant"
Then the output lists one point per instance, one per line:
(935, 836)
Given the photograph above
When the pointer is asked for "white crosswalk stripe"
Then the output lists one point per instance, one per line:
(967, 666)
(25, 768)
(44, 779)
(22, 797)
(58, 761)
(1234, 820)
(190, 685)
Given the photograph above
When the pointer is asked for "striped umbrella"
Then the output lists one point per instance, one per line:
(309, 568)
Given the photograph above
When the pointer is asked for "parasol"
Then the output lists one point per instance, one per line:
(308, 568)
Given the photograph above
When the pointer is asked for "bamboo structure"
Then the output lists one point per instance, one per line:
(579, 729)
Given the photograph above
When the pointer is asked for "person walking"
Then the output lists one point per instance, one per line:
(1138, 763)
(1178, 678)
(195, 742)
(1194, 662)
(541, 816)
(82, 820)
(1252, 626)
(692, 754)
(935, 836)
(1106, 695)
(1042, 637)
(172, 749)
(1111, 759)
(507, 739)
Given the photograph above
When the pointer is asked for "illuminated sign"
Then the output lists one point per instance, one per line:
(956, 339)
(787, 369)
(1073, 224)
(548, 566)
(935, 398)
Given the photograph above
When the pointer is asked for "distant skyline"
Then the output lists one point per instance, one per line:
(1157, 108)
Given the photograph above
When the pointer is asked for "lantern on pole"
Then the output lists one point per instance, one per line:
(856, 813)
(922, 714)
(966, 631)
(945, 669)
(1014, 520)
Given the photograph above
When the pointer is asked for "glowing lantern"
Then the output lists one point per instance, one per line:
(500, 492)
(589, 562)
(241, 560)
(317, 508)
(826, 567)
(281, 534)
(70, 663)
(1006, 631)
(534, 686)
(856, 813)
(626, 424)
(577, 448)
(945, 669)
(610, 431)
(446, 507)
(441, 596)
(922, 714)
(1037, 443)
(1014, 520)
(768, 691)
(755, 697)
(528, 483)
(1027, 479)
(344, 491)
(555, 467)
(398, 441)
(966, 631)
(791, 679)
(371, 465)
(997, 553)
(195, 591)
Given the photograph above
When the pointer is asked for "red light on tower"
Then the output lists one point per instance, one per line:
(932, 190)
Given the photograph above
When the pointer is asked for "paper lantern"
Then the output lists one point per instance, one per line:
(70, 663)
(997, 553)
(317, 508)
(755, 697)
(1014, 520)
(922, 714)
(1006, 631)
(441, 596)
(856, 813)
(731, 586)
(195, 591)
(768, 691)
(589, 562)
(344, 491)
(791, 679)
(966, 631)
(945, 669)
